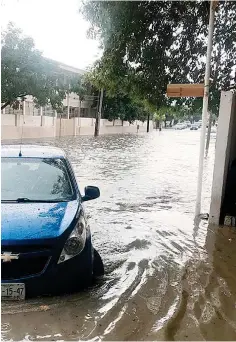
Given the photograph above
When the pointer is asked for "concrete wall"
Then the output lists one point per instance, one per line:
(87, 122)
(29, 121)
(15, 126)
(65, 127)
(224, 154)
(11, 132)
(8, 120)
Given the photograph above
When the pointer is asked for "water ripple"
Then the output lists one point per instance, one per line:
(167, 278)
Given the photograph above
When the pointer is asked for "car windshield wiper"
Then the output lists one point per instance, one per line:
(28, 200)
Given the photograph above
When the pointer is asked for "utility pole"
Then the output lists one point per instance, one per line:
(98, 116)
(213, 5)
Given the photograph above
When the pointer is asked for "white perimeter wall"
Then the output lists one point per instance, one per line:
(224, 154)
(15, 125)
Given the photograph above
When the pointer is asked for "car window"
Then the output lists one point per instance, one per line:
(35, 179)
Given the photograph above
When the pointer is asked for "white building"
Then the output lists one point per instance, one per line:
(73, 107)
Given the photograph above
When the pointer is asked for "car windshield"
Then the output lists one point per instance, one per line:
(35, 179)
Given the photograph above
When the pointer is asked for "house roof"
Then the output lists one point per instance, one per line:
(67, 67)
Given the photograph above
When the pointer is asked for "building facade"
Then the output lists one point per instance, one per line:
(72, 106)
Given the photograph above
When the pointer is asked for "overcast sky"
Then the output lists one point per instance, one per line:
(57, 28)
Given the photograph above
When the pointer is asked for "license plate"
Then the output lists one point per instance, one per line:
(13, 291)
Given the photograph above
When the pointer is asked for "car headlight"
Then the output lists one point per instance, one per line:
(75, 242)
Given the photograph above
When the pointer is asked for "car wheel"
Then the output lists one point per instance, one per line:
(98, 267)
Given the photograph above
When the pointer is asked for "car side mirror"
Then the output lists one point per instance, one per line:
(90, 193)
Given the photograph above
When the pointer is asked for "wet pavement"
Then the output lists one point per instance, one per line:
(167, 277)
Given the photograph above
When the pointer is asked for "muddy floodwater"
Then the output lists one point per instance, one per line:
(167, 278)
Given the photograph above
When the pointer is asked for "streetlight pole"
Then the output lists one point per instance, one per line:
(213, 5)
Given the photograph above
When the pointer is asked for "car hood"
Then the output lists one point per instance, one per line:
(34, 221)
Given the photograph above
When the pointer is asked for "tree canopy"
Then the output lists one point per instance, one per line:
(124, 108)
(148, 44)
(26, 72)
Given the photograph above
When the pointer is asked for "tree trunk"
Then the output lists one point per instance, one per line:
(98, 116)
(148, 120)
(209, 132)
(97, 124)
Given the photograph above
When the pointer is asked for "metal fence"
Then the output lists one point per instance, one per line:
(33, 110)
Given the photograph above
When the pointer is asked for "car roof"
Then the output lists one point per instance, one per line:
(32, 151)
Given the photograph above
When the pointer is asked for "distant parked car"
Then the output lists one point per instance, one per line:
(194, 126)
(187, 123)
(179, 126)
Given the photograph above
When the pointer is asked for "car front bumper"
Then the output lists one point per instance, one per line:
(67, 276)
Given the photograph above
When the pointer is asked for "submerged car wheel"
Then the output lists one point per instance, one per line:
(98, 267)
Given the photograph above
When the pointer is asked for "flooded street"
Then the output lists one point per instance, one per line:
(167, 278)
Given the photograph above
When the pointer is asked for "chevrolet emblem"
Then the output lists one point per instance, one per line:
(8, 257)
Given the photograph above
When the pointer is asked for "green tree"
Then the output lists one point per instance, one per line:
(148, 44)
(124, 108)
(26, 72)
(164, 114)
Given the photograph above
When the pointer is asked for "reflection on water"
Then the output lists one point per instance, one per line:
(167, 278)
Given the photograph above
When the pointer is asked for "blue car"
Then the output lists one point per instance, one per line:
(46, 239)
